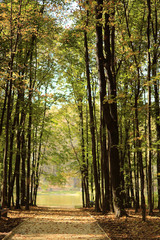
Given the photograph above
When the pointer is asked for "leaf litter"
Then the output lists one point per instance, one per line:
(65, 221)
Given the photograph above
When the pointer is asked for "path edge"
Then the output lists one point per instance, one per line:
(13, 231)
(99, 226)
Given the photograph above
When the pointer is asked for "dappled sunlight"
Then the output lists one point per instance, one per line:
(59, 224)
(61, 236)
(131, 227)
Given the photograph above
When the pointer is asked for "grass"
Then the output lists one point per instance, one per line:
(59, 192)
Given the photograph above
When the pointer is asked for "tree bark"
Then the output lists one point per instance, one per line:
(4, 107)
(92, 127)
(149, 114)
(156, 94)
(29, 133)
(110, 110)
(84, 167)
(17, 169)
(87, 160)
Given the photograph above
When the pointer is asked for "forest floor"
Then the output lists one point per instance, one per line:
(131, 227)
(51, 223)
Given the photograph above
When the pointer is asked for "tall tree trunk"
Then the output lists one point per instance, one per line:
(136, 172)
(104, 155)
(29, 135)
(156, 93)
(82, 184)
(4, 106)
(146, 150)
(140, 161)
(33, 165)
(12, 134)
(109, 110)
(5, 163)
(149, 114)
(17, 169)
(122, 157)
(137, 135)
(23, 149)
(23, 175)
(84, 167)
(97, 135)
(131, 178)
(10, 76)
(87, 160)
(92, 127)
(35, 150)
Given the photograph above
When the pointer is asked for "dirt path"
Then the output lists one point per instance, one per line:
(59, 224)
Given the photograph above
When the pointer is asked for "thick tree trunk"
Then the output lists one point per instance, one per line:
(100, 63)
(115, 166)
(109, 110)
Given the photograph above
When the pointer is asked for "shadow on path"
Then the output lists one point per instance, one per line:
(55, 224)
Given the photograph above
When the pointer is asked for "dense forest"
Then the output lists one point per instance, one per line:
(80, 87)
